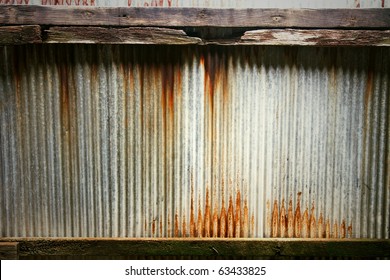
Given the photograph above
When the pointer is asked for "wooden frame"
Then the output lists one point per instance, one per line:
(195, 247)
(21, 24)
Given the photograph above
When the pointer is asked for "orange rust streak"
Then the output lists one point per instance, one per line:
(237, 218)
(245, 224)
(297, 218)
(154, 227)
(321, 229)
(176, 232)
(290, 220)
(199, 222)
(283, 220)
(342, 230)
(252, 225)
(305, 224)
(223, 220)
(207, 216)
(230, 219)
(327, 229)
(184, 227)
(350, 230)
(335, 230)
(161, 226)
(275, 220)
(313, 226)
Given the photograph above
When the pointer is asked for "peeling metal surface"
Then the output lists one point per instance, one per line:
(153, 141)
(211, 4)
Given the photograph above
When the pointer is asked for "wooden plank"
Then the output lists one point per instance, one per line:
(317, 37)
(16, 35)
(195, 17)
(131, 35)
(154, 35)
(125, 247)
(9, 250)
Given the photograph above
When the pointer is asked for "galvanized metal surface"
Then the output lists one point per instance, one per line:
(152, 141)
(212, 4)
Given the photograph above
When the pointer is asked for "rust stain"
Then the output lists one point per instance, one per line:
(161, 227)
(184, 227)
(297, 218)
(357, 3)
(207, 215)
(283, 221)
(350, 230)
(237, 216)
(305, 224)
(327, 229)
(199, 222)
(215, 218)
(342, 230)
(312, 221)
(230, 219)
(275, 219)
(154, 227)
(335, 230)
(245, 226)
(321, 229)
(290, 220)
(176, 231)
(253, 224)
(223, 219)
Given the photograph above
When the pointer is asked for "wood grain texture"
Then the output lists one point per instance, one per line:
(9, 250)
(218, 247)
(317, 37)
(131, 35)
(195, 17)
(17, 35)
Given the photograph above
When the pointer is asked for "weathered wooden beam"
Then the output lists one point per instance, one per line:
(130, 35)
(9, 250)
(125, 247)
(17, 35)
(154, 35)
(317, 37)
(195, 17)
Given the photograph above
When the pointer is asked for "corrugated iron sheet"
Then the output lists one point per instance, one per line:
(154, 141)
(212, 4)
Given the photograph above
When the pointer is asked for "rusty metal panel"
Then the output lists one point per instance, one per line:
(154, 141)
(211, 4)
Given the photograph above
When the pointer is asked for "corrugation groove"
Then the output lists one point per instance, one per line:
(154, 141)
